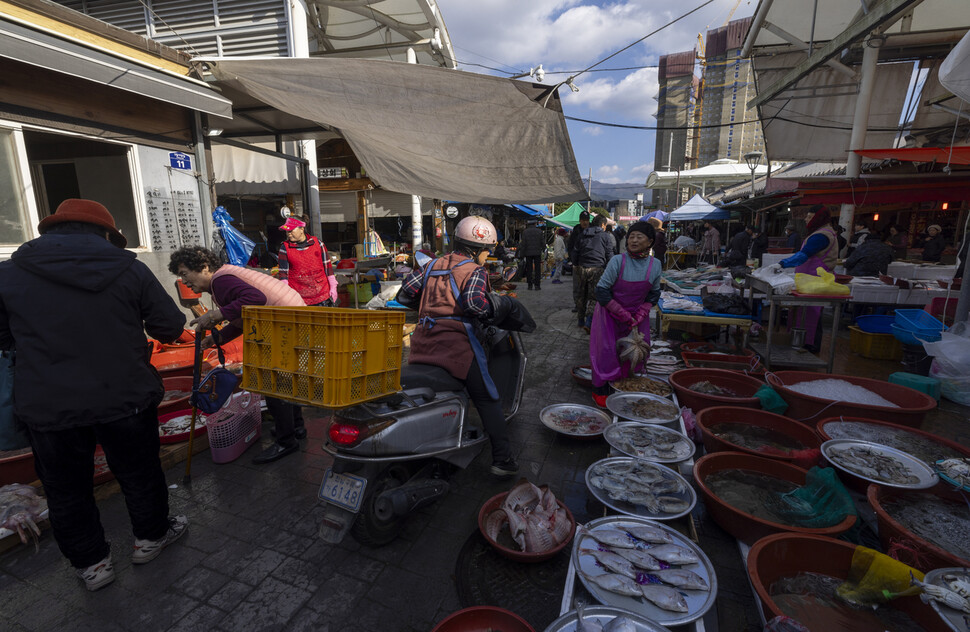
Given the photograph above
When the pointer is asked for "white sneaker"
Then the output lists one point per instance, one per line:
(147, 550)
(97, 575)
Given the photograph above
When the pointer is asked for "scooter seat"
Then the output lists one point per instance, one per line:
(428, 376)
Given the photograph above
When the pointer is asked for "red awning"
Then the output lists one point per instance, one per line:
(861, 191)
(953, 155)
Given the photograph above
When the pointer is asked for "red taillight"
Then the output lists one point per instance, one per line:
(344, 434)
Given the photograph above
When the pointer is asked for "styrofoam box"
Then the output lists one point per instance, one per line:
(866, 293)
(901, 270)
(767, 259)
(934, 272)
(913, 297)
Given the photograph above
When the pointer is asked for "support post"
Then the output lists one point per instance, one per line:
(416, 228)
(860, 121)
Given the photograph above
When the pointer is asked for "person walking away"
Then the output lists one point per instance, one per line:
(451, 294)
(737, 253)
(572, 250)
(859, 235)
(711, 245)
(625, 294)
(531, 247)
(820, 250)
(595, 251)
(232, 288)
(76, 305)
(305, 264)
(934, 245)
(898, 240)
(558, 255)
(659, 241)
(792, 239)
(870, 258)
(619, 234)
(759, 245)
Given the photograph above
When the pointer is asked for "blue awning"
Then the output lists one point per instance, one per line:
(528, 210)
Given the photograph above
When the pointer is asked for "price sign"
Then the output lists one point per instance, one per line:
(178, 160)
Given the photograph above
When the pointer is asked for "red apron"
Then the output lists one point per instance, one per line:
(808, 317)
(308, 274)
(605, 331)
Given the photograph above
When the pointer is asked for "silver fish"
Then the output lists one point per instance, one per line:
(613, 562)
(647, 533)
(620, 624)
(640, 559)
(673, 554)
(585, 626)
(682, 578)
(610, 537)
(664, 597)
(615, 584)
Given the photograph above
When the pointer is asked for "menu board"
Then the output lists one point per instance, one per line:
(174, 219)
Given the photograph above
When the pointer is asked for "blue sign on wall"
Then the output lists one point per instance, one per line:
(178, 160)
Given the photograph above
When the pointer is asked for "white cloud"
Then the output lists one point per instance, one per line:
(608, 173)
(629, 99)
(593, 130)
(643, 169)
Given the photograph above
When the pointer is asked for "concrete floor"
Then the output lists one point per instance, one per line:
(252, 559)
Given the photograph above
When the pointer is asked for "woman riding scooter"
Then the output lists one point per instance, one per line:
(451, 294)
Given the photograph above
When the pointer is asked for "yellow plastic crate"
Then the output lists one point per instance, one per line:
(322, 357)
(874, 346)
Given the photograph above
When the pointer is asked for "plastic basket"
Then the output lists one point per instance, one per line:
(917, 319)
(875, 323)
(322, 357)
(235, 427)
(874, 346)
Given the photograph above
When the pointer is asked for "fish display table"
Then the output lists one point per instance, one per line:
(665, 317)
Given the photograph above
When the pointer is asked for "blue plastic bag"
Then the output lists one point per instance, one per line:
(239, 248)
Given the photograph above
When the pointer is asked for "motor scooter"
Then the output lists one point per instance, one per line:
(395, 454)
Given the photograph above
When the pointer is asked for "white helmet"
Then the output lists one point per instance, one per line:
(476, 232)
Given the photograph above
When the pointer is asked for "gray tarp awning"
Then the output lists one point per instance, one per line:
(36, 48)
(423, 130)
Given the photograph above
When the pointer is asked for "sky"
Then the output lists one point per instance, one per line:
(566, 36)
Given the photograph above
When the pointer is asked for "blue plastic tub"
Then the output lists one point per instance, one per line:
(875, 324)
(908, 337)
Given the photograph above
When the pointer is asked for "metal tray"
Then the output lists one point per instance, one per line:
(630, 509)
(640, 376)
(620, 403)
(603, 615)
(954, 619)
(927, 477)
(548, 418)
(685, 446)
(698, 601)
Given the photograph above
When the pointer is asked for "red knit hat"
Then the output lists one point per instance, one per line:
(87, 211)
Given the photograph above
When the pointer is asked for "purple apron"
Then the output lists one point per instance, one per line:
(605, 331)
(808, 317)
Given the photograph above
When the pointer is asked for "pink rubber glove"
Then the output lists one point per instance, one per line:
(642, 313)
(333, 288)
(620, 313)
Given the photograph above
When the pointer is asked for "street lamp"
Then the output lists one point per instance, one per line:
(753, 158)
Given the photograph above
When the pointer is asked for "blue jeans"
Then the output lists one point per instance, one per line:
(64, 460)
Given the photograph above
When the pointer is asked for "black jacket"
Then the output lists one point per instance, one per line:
(759, 245)
(532, 243)
(870, 258)
(76, 308)
(933, 248)
(595, 248)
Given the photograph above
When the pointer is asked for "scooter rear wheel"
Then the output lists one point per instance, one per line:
(374, 527)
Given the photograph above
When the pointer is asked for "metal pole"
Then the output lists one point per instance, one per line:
(589, 188)
(860, 122)
(417, 236)
(299, 47)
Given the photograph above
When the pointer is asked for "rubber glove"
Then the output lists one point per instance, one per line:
(620, 313)
(642, 313)
(333, 288)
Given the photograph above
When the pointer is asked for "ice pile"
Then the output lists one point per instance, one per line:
(841, 391)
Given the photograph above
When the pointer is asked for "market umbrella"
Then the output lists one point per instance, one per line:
(661, 215)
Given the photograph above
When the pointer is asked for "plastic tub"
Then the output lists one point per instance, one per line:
(916, 320)
(483, 619)
(874, 346)
(952, 445)
(787, 554)
(875, 323)
(916, 338)
(741, 524)
(181, 384)
(715, 415)
(743, 385)
(927, 555)
(808, 409)
(495, 502)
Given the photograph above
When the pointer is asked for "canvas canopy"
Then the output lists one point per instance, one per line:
(698, 208)
(570, 217)
(955, 71)
(422, 130)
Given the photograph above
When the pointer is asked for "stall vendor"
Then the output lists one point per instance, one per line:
(819, 250)
(625, 294)
(934, 245)
(305, 265)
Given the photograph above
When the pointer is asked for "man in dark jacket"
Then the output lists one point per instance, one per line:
(870, 258)
(573, 254)
(595, 249)
(737, 252)
(531, 247)
(76, 305)
(759, 245)
(934, 245)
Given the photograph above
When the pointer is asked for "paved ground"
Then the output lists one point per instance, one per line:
(252, 559)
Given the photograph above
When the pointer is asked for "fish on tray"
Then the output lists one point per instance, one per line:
(873, 464)
(681, 578)
(616, 624)
(644, 441)
(639, 484)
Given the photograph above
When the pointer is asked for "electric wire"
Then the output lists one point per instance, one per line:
(176, 33)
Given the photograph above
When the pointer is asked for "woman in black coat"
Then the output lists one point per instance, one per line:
(934, 245)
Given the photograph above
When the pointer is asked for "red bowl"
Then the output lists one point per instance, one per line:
(181, 384)
(18, 468)
(761, 418)
(741, 524)
(582, 381)
(495, 502)
(483, 619)
(743, 385)
(102, 473)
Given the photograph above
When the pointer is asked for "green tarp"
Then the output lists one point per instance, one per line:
(570, 217)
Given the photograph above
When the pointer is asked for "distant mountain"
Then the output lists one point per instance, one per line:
(604, 192)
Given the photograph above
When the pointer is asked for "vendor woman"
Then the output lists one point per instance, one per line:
(626, 292)
(819, 250)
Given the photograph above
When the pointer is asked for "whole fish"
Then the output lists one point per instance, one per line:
(640, 559)
(664, 597)
(681, 578)
(647, 533)
(613, 562)
(673, 554)
(615, 583)
(613, 538)
(585, 626)
(620, 624)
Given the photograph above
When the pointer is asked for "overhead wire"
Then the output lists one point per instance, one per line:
(176, 33)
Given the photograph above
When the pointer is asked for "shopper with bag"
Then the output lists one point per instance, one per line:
(232, 288)
(305, 264)
(626, 292)
(76, 305)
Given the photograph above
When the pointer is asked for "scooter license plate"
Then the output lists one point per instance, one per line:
(345, 490)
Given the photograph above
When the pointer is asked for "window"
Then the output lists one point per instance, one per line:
(13, 206)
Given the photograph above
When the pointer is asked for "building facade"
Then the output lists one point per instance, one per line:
(675, 114)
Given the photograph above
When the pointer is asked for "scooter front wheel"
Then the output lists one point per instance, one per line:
(376, 524)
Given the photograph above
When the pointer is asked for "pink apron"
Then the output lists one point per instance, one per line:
(605, 331)
(808, 317)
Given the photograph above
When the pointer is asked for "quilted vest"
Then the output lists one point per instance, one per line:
(307, 274)
(277, 292)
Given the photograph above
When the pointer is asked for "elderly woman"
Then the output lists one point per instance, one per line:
(934, 245)
(232, 288)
